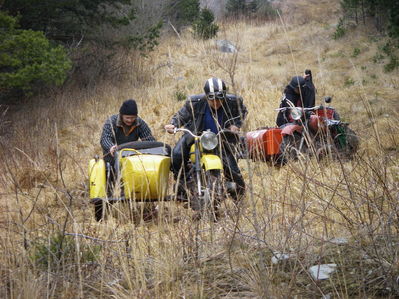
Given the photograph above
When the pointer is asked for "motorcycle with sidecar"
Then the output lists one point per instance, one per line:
(141, 173)
(312, 131)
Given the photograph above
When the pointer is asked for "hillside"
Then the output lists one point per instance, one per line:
(298, 209)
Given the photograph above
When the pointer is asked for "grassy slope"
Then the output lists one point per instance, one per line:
(294, 209)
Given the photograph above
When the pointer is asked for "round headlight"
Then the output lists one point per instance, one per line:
(209, 140)
(296, 113)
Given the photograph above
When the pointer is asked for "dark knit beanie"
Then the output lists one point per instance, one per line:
(129, 107)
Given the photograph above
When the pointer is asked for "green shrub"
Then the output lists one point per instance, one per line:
(356, 52)
(180, 95)
(389, 51)
(392, 64)
(184, 12)
(62, 249)
(28, 60)
(349, 82)
(204, 27)
(378, 57)
(340, 31)
(95, 32)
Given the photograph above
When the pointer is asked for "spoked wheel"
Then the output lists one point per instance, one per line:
(101, 208)
(98, 210)
(216, 193)
(207, 202)
(290, 147)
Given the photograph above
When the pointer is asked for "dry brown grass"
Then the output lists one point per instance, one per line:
(296, 209)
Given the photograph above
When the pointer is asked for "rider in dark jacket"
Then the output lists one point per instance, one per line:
(214, 110)
(300, 92)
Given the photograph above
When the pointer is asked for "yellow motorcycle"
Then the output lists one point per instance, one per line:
(205, 182)
(140, 173)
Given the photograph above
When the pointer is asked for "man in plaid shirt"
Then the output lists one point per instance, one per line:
(124, 127)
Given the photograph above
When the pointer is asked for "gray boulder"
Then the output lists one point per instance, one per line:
(226, 46)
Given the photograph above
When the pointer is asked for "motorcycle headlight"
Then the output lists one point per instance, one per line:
(296, 113)
(209, 140)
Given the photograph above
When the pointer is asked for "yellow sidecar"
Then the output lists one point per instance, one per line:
(141, 169)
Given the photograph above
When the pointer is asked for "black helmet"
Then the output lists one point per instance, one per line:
(215, 88)
(297, 81)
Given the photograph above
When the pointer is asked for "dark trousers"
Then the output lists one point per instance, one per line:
(180, 159)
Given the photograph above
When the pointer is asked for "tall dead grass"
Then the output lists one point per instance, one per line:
(342, 212)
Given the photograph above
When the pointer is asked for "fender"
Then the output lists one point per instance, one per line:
(290, 129)
(210, 162)
(97, 178)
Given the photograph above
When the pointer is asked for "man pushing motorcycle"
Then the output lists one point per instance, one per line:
(214, 110)
(122, 128)
(300, 92)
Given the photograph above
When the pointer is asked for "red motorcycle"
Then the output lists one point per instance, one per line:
(312, 131)
(317, 131)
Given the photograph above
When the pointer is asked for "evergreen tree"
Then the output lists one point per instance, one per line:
(383, 13)
(28, 60)
(204, 27)
(183, 12)
(92, 30)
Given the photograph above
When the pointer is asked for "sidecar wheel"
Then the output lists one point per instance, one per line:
(98, 210)
(352, 141)
(351, 146)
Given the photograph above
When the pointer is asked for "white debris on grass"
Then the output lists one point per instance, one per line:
(339, 241)
(277, 257)
(320, 272)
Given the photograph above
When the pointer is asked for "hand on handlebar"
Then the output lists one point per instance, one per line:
(170, 128)
(234, 129)
(112, 150)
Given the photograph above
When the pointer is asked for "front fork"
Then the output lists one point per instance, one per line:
(198, 167)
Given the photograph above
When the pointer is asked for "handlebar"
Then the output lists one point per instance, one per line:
(304, 109)
(225, 134)
(175, 130)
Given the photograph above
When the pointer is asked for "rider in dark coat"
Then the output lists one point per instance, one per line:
(300, 92)
(214, 110)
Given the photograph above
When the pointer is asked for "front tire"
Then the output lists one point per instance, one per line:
(208, 201)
